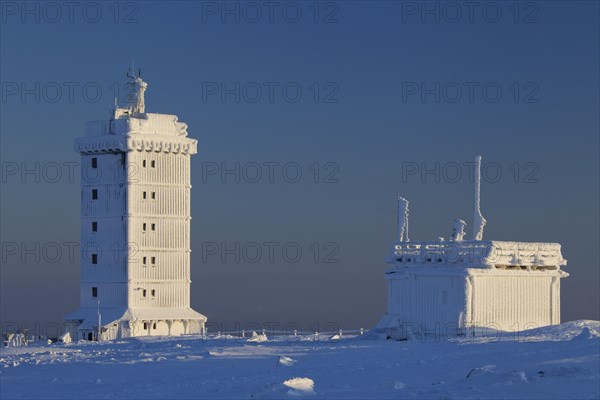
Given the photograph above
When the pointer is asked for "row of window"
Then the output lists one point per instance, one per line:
(144, 260)
(152, 195)
(152, 227)
(152, 163)
(144, 292)
(144, 226)
(144, 195)
(152, 261)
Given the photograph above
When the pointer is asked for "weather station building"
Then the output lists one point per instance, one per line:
(135, 225)
(469, 287)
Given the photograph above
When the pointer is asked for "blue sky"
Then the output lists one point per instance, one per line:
(362, 93)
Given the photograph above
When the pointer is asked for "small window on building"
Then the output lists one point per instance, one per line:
(154, 325)
(144, 293)
(153, 164)
(153, 227)
(145, 325)
(153, 260)
(94, 292)
(94, 226)
(144, 227)
(153, 292)
(94, 162)
(144, 195)
(144, 260)
(153, 195)
(144, 163)
(94, 258)
(94, 194)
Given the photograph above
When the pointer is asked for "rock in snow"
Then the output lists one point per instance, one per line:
(300, 386)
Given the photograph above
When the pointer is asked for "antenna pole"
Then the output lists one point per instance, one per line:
(402, 233)
(478, 220)
(99, 322)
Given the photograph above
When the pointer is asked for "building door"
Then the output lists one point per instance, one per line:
(90, 336)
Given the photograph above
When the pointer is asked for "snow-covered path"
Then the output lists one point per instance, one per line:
(555, 362)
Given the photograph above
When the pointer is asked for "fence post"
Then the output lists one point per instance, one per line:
(340, 333)
(316, 336)
(243, 333)
(361, 331)
(295, 332)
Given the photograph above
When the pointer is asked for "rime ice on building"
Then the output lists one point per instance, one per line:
(135, 225)
(459, 286)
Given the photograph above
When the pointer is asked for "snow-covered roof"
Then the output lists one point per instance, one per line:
(89, 316)
(479, 254)
(131, 128)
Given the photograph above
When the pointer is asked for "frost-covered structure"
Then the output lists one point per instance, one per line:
(135, 225)
(459, 286)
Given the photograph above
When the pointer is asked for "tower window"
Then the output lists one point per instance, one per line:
(144, 163)
(145, 325)
(94, 162)
(144, 260)
(94, 258)
(153, 292)
(153, 195)
(94, 194)
(144, 227)
(153, 260)
(144, 195)
(154, 325)
(94, 292)
(144, 293)
(153, 164)
(94, 226)
(153, 227)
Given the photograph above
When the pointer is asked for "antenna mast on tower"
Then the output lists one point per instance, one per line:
(478, 220)
(402, 219)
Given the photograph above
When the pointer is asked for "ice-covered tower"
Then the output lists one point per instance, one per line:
(135, 225)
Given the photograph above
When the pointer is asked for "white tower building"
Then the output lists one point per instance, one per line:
(459, 287)
(135, 225)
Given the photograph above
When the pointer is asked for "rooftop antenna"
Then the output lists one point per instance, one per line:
(402, 219)
(478, 220)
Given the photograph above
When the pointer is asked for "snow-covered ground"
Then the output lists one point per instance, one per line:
(560, 362)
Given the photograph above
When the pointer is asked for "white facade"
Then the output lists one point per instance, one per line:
(460, 287)
(135, 225)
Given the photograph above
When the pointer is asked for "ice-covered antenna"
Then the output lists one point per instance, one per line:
(402, 219)
(478, 220)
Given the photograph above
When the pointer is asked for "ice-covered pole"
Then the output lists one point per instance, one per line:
(402, 219)
(478, 220)
(99, 322)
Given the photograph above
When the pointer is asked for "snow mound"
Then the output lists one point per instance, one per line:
(256, 338)
(300, 386)
(587, 333)
(288, 362)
